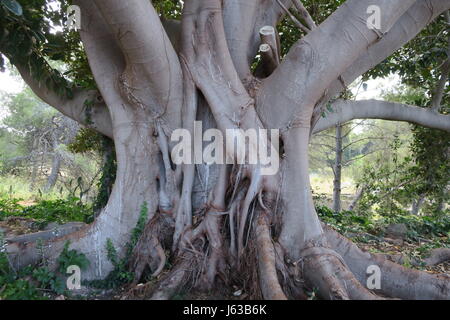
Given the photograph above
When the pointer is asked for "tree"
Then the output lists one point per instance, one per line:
(418, 178)
(34, 140)
(155, 75)
(340, 148)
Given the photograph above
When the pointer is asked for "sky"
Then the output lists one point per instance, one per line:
(376, 88)
(8, 84)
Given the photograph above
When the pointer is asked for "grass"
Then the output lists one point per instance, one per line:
(20, 188)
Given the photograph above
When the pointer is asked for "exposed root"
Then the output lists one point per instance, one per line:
(183, 217)
(438, 256)
(214, 256)
(173, 281)
(435, 257)
(216, 259)
(149, 250)
(162, 260)
(396, 280)
(326, 270)
(47, 235)
(270, 286)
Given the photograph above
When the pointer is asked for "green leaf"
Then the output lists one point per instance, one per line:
(13, 6)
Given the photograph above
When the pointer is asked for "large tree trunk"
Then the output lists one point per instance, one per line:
(136, 184)
(225, 223)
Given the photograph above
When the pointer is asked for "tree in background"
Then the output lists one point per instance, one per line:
(35, 140)
(413, 178)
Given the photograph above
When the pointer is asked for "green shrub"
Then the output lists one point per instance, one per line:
(10, 207)
(30, 283)
(46, 211)
(69, 258)
(429, 227)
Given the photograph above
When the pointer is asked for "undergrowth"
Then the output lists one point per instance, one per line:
(47, 211)
(37, 283)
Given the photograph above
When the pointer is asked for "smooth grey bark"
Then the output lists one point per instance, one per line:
(345, 110)
(299, 86)
(267, 262)
(243, 19)
(404, 30)
(396, 281)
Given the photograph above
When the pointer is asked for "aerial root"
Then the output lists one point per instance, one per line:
(252, 192)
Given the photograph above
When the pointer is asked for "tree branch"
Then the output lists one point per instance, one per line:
(345, 110)
(242, 21)
(104, 55)
(96, 117)
(226, 95)
(316, 60)
(293, 18)
(407, 27)
(153, 70)
(305, 14)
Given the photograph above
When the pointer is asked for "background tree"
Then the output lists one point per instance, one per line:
(412, 178)
(35, 140)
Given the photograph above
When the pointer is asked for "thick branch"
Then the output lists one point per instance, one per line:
(293, 18)
(242, 21)
(104, 56)
(304, 14)
(226, 95)
(96, 117)
(153, 72)
(316, 60)
(407, 27)
(344, 111)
